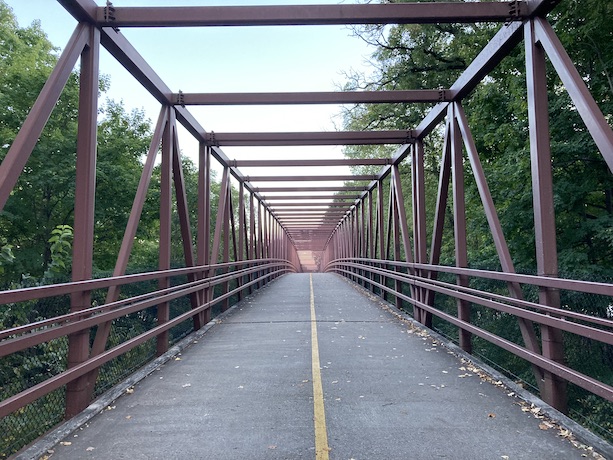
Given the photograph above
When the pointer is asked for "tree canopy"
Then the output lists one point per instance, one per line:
(43, 199)
(432, 56)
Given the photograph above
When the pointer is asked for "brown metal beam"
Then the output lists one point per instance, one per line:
(303, 205)
(325, 97)
(306, 162)
(309, 178)
(401, 13)
(338, 188)
(310, 138)
(320, 217)
(336, 213)
(310, 230)
(270, 198)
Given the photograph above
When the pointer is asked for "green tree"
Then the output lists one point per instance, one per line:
(38, 203)
(44, 196)
(497, 113)
(123, 141)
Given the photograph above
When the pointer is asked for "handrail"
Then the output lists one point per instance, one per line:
(202, 284)
(23, 337)
(419, 281)
(364, 269)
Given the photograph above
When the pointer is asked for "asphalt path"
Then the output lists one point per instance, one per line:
(248, 389)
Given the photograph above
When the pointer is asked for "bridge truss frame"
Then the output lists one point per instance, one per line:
(356, 235)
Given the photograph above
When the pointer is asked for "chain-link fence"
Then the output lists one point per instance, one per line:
(22, 370)
(590, 357)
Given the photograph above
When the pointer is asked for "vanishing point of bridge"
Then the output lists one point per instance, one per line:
(299, 371)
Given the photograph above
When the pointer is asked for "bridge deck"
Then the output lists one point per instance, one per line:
(246, 391)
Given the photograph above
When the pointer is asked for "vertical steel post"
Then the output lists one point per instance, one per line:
(163, 314)
(459, 221)
(184, 221)
(252, 236)
(402, 222)
(353, 238)
(371, 253)
(204, 221)
(380, 230)
(265, 239)
(439, 214)
(363, 237)
(78, 391)
(240, 255)
(225, 304)
(260, 242)
(554, 388)
(419, 216)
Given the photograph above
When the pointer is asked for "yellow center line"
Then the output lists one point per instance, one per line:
(319, 413)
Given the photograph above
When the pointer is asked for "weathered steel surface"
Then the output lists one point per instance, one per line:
(357, 229)
(400, 13)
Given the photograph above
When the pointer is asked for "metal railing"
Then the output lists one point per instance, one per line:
(242, 276)
(375, 275)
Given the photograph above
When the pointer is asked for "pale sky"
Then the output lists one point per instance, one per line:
(229, 59)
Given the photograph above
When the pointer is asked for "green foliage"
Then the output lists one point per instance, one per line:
(6, 256)
(123, 142)
(44, 193)
(432, 56)
(61, 255)
(36, 225)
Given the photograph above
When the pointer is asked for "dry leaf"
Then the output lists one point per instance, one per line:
(544, 426)
(565, 433)
(130, 390)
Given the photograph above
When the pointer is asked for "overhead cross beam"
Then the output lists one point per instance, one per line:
(347, 177)
(284, 15)
(270, 198)
(330, 97)
(322, 163)
(332, 188)
(310, 138)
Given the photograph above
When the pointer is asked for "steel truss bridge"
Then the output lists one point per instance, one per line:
(364, 234)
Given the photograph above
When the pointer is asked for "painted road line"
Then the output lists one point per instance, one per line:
(319, 413)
